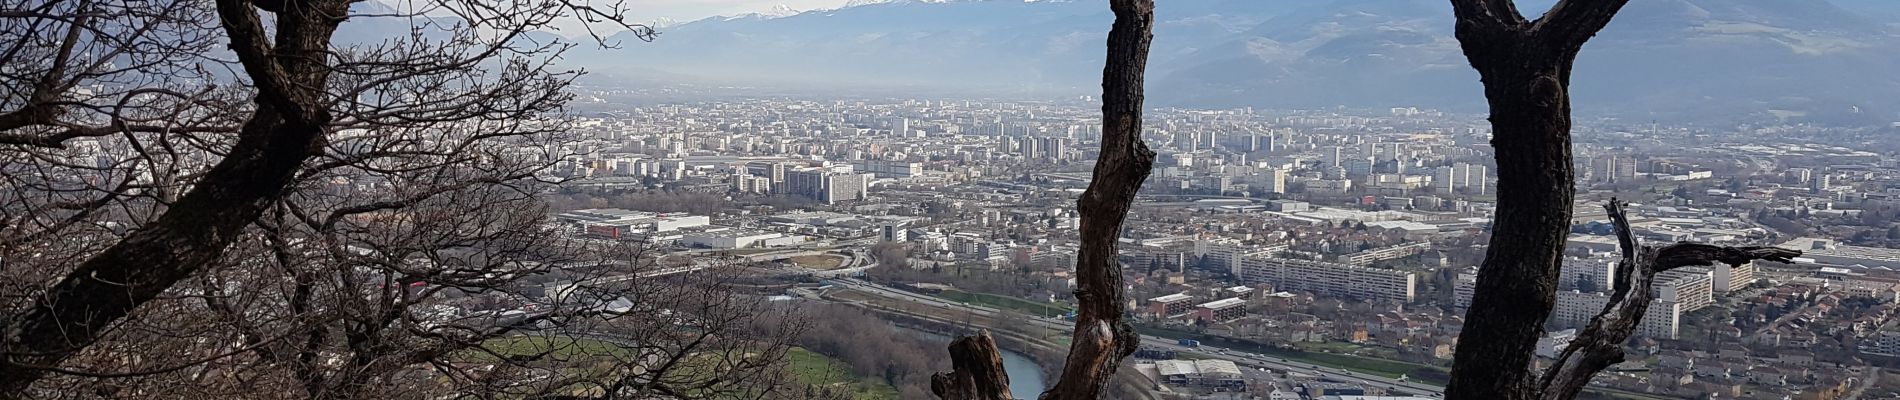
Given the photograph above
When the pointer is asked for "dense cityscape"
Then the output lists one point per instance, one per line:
(950, 199)
(1338, 236)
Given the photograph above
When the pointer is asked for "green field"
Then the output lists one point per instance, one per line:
(1006, 303)
(1351, 349)
(551, 348)
(807, 367)
(811, 368)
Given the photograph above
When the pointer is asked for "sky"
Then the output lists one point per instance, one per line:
(688, 10)
(678, 11)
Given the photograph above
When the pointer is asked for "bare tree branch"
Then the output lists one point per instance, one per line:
(1686, 254)
(1570, 23)
(1600, 345)
(1488, 14)
(168, 237)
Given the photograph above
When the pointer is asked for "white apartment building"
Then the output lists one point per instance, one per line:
(1329, 278)
(1368, 257)
(1599, 272)
(1575, 309)
(1729, 279)
(1224, 254)
(1691, 287)
(826, 186)
(1276, 180)
(1885, 341)
(1464, 288)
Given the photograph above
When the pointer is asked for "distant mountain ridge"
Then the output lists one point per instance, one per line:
(1823, 59)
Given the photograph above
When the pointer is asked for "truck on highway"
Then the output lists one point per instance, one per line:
(1190, 343)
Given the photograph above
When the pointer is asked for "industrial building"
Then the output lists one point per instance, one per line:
(1219, 375)
(624, 224)
(731, 238)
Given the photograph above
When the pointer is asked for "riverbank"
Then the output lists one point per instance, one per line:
(1046, 359)
(1027, 378)
(1047, 347)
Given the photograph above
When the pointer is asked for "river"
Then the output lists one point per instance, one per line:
(1025, 377)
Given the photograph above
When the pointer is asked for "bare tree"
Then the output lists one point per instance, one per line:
(344, 218)
(678, 336)
(891, 254)
(1102, 337)
(1525, 66)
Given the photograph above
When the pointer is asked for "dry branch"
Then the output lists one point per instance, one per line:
(1601, 343)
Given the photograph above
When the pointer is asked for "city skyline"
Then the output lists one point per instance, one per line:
(914, 199)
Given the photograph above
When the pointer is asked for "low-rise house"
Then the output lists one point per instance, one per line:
(1767, 376)
(1712, 370)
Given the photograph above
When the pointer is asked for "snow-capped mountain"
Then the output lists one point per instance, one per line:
(1664, 58)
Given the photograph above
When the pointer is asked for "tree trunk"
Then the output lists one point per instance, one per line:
(1518, 278)
(976, 371)
(1526, 66)
(1102, 338)
(196, 229)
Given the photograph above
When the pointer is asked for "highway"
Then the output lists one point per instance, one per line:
(1244, 359)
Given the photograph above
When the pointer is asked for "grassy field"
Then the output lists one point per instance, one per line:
(823, 262)
(811, 368)
(555, 348)
(1386, 368)
(1329, 347)
(1363, 351)
(1007, 303)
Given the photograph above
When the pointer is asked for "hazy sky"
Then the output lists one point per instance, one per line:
(688, 10)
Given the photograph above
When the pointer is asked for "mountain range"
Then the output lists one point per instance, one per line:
(1820, 60)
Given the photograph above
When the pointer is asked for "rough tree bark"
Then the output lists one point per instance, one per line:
(1525, 67)
(977, 371)
(1102, 337)
(289, 72)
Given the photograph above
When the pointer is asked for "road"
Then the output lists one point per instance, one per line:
(1243, 359)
